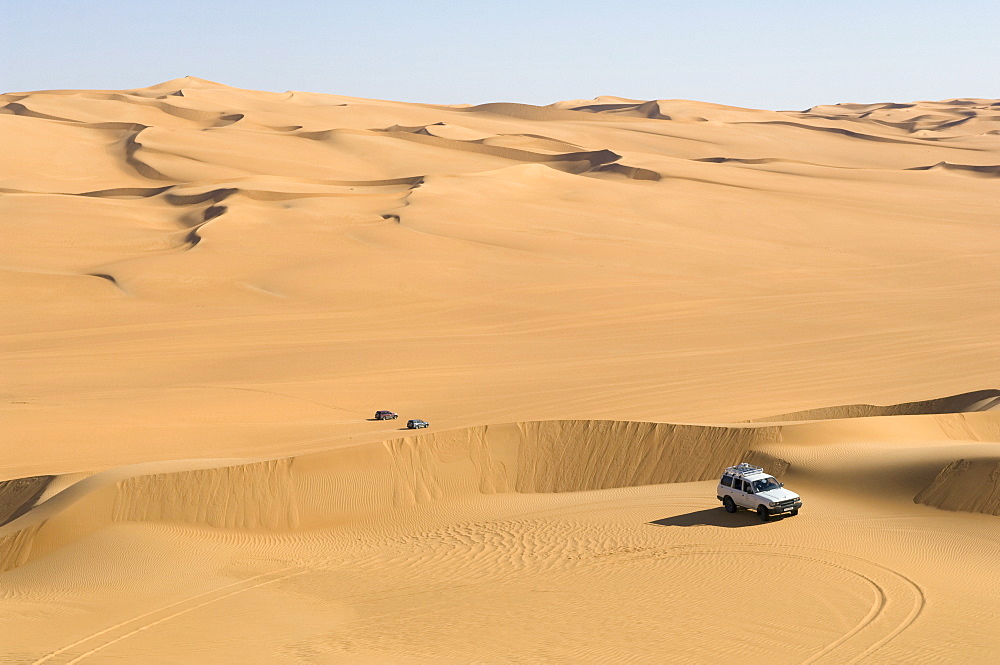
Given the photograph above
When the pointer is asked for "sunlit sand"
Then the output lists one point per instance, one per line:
(597, 305)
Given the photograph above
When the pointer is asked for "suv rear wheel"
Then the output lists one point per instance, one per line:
(728, 504)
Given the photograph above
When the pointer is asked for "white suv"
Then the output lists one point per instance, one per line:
(747, 486)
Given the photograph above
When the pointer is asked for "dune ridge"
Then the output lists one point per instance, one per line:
(549, 456)
(527, 457)
(979, 400)
(986, 170)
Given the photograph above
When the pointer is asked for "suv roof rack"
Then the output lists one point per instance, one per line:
(744, 469)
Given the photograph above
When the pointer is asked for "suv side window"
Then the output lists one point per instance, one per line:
(741, 485)
(727, 481)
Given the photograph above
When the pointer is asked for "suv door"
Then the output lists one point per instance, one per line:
(742, 495)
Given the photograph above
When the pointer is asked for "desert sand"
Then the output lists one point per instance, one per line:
(597, 304)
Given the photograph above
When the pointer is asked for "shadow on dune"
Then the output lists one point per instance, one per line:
(17, 496)
(716, 517)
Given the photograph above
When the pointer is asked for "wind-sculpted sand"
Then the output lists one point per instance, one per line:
(597, 304)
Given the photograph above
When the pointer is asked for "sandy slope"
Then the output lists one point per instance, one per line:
(207, 291)
(557, 541)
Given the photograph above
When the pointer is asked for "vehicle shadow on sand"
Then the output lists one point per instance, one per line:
(716, 517)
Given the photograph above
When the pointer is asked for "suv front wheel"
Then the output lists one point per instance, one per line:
(728, 504)
(764, 513)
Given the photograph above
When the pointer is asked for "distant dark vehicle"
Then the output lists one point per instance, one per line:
(385, 415)
(417, 424)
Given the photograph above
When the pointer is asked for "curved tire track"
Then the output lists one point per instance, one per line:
(186, 605)
(840, 650)
(898, 600)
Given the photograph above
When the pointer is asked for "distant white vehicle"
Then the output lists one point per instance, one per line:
(747, 486)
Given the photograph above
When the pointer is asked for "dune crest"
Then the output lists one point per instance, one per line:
(526, 457)
(979, 400)
(530, 457)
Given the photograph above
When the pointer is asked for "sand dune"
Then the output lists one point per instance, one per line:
(991, 170)
(613, 482)
(969, 485)
(598, 305)
(979, 400)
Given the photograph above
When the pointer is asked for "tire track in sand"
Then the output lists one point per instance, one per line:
(859, 642)
(186, 605)
(839, 651)
(889, 585)
(889, 615)
(829, 653)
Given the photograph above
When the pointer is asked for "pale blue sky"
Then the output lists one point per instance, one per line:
(778, 54)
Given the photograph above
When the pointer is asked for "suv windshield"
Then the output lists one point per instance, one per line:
(765, 484)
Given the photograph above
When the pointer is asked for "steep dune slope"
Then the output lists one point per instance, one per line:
(397, 551)
(317, 490)
(363, 482)
(968, 485)
(17, 496)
